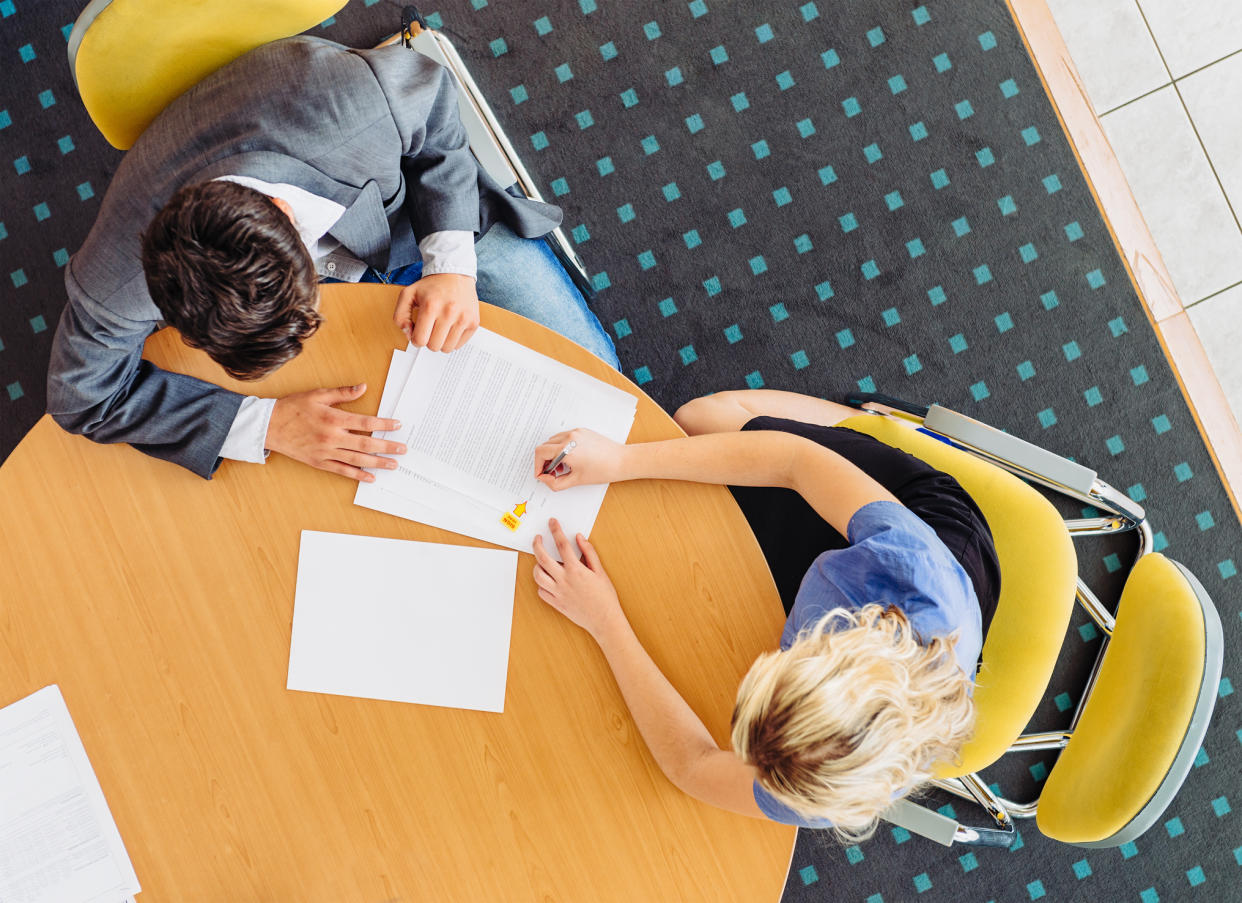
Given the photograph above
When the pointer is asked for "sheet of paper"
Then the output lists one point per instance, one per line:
(58, 841)
(467, 495)
(435, 503)
(471, 419)
(404, 621)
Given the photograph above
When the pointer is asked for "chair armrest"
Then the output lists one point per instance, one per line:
(1022, 455)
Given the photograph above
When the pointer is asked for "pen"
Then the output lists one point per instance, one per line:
(555, 462)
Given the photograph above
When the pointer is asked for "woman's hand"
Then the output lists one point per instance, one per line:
(577, 588)
(594, 459)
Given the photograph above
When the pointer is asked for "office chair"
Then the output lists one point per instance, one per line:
(1149, 698)
(177, 51)
(131, 58)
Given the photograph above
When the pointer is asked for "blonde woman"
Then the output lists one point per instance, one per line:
(886, 568)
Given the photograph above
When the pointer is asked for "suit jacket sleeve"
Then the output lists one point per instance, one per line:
(99, 386)
(445, 187)
(440, 171)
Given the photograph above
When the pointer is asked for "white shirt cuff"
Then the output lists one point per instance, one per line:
(248, 434)
(450, 251)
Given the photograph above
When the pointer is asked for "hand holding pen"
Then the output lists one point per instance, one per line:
(556, 462)
(594, 459)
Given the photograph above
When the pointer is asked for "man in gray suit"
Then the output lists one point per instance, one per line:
(300, 160)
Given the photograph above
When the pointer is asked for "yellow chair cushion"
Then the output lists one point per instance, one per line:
(1136, 719)
(1039, 571)
(137, 56)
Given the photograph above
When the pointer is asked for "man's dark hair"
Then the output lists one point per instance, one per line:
(226, 267)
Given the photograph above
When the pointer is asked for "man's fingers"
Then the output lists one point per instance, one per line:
(354, 473)
(422, 326)
(457, 336)
(439, 332)
(373, 446)
(403, 314)
(364, 423)
(359, 459)
(341, 394)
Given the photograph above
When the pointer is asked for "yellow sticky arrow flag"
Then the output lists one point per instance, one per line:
(512, 519)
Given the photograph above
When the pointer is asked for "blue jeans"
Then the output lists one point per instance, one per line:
(524, 276)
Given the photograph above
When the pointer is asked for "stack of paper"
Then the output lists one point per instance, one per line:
(58, 842)
(471, 421)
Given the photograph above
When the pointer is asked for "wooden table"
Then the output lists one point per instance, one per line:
(162, 606)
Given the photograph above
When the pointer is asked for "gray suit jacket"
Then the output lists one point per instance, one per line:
(374, 130)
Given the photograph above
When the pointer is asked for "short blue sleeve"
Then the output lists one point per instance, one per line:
(894, 558)
(778, 811)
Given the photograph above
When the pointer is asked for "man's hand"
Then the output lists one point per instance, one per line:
(307, 427)
(448, 311)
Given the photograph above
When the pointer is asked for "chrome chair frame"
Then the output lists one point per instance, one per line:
(488, 141)
(1073, 480)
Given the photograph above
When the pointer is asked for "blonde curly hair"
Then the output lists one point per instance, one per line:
(854, 714)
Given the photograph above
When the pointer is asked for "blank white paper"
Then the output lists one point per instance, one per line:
(58, 841)
(404, 621)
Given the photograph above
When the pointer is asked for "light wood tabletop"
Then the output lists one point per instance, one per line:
(162, 605)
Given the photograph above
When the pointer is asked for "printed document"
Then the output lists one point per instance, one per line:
(58, 841)
(471, 420)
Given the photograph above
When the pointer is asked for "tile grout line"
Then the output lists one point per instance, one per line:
(1205, 65)
(1212, 166)
(1174, 81)
(1215, 376)
(1219, 291)
(1194, 128)
(1154, 42)
(1136, 99)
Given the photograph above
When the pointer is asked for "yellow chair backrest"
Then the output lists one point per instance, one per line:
(1039, 572)
(131, 58)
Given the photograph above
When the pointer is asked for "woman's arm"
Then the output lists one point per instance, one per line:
(833, 486)
(729, 411)
(677, 738)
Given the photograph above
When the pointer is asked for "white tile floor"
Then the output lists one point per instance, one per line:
(1165, 79)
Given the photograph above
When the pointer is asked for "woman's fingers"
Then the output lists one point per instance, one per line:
(589, 555)
(543, 579)
(563, 545)
(545, 452)
(546, 561)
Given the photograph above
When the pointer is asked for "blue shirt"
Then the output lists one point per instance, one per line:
(893, 558)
